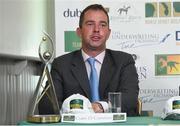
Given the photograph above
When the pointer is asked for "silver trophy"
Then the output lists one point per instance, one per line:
(46, 54)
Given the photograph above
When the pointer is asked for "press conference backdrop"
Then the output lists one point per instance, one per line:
(148, 29)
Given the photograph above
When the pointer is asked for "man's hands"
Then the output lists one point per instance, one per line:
(97, 107)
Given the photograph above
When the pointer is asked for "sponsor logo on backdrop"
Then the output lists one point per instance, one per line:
(70, 13)
(167, 64)
(141, 70)
(177, 38)
(125, 13)
(177, 35)
(165, 9)
(162, 12)
(72, 41)
(150, 9)
(73, 13)
(138, 39)
(123, 10)
(176, 9)
(157, 95)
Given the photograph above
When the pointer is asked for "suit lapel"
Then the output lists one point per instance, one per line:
(107, 71)
(79, 71)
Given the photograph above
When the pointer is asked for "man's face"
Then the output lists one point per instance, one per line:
(95, 30)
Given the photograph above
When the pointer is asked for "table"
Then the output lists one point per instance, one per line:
(131, 121)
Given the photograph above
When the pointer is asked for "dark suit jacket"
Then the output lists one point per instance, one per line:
(118, 73)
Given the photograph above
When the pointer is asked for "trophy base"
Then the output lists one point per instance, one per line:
(44, 118)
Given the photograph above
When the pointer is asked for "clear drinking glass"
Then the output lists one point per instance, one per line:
(114, 102)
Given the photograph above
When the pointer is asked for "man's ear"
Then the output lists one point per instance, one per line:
(109, 33)
(78, 32)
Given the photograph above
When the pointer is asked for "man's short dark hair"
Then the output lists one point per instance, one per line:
(92, 7)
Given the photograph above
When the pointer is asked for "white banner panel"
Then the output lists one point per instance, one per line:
(148, 29)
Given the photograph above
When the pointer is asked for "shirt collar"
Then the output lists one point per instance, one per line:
(99, 57)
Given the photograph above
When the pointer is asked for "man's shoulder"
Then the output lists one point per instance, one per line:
(119, 56)
(67, 56)
(117, 53)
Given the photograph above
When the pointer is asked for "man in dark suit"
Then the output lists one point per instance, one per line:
(115, 69)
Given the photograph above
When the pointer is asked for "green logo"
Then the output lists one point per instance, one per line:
(76, 104)
(162, 9)
(167, 64)
(72, 41)
(176, 9)
(151, 9)
(176, 104)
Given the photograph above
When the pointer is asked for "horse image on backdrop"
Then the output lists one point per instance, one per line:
(124, 9)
